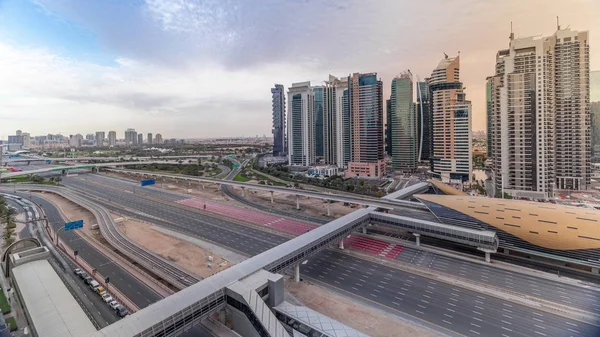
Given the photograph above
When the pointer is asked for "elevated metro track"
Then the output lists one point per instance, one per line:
(154, 263)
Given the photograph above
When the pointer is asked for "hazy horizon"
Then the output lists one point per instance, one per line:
(189, 69)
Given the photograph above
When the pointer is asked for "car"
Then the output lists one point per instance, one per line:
(83, 275)
(100, 290)
(88, 279)
(107, 298)
(122, 311)
(77, 271)
(114, 304)
(94, 285)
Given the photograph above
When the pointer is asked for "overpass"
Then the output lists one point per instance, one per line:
(25, 158)
(379, 203)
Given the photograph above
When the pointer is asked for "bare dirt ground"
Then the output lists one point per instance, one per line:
(371, 321)
(72, 211)
(187, 255)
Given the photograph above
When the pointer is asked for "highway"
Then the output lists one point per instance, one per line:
(135, 290)
(250, 241)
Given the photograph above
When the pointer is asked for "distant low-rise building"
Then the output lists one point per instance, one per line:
(324, 171)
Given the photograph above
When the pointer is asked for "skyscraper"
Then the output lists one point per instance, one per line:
(26, 139)
(451, 114)
(301, 124)
(595, 111)
(388, 127)
(112, 138)
(319, 94)
(99, 138)
(333, 120)
(149, 138)
(403, 124)
(424, 121)
(278, 106)
(140, 139)
(488, 106)
(130, 137)
(158, 139)
(365, 102)
(540, 115)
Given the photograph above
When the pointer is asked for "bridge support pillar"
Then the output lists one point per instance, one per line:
(297, 272)
(342, 244)
(202, 185)
(418, 237)
(297, 202)
(219, 187)
(328, 208)
(243, 192)
(488, 253)
(271, 197)
(364, 230)
(222, 316)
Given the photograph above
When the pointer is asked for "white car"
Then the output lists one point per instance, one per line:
(113, 304)
(107, 298)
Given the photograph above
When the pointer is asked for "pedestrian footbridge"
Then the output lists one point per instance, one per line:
(181, 311)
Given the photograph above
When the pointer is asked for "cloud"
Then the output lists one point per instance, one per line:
(205, 67)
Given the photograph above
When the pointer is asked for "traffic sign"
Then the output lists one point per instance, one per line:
(73, 225)
(235, 166)
(148, 182)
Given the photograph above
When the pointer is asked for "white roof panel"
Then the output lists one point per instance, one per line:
(52, 308)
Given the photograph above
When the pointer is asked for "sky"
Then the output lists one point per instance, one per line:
(195, 69)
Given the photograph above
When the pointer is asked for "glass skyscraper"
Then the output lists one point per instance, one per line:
(424, 121)
(278, 106)
(319, 131)
(403, 124)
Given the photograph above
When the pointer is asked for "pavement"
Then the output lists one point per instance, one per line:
(437, 304)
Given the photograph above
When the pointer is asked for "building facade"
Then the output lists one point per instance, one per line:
(149, 138)
(424, 121)
(540, 121)
(388, 127)
(301, 124)
(278, 130)
(99, 138)
(319, 94)
(158, 139)
(140, 139)
(365, 103)
(130, 137)
(334, 121)
(403, 120)
(451, 113)
(488, 110)
(595, 113)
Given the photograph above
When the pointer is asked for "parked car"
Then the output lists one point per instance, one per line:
(114, 305)
(83, 275)
(88, 279)
(107, 298)
(77, 271)
(94, 285)
(100, 290)
(122, 311)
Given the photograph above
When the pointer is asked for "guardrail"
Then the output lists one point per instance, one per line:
(162, 268)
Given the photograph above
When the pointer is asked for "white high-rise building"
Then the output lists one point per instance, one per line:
(540, 115)
(301, 124)
(130, 137)
(112, 138)
(451, 113)
(333, 120)
(100, 135)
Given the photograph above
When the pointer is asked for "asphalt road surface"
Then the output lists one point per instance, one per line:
(472, 314)
(136, 291)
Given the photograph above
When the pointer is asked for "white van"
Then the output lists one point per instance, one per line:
(94, 285)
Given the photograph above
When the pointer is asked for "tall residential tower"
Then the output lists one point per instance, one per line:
(301, 124)
(540, 115)
(365, 104)
(278, 105)
(451, 114)
(403, 131)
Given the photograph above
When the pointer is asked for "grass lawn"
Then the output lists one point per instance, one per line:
(240, 178)
(12, 323)
(4, 303)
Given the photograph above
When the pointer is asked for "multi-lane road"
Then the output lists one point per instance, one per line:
(459, 310)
